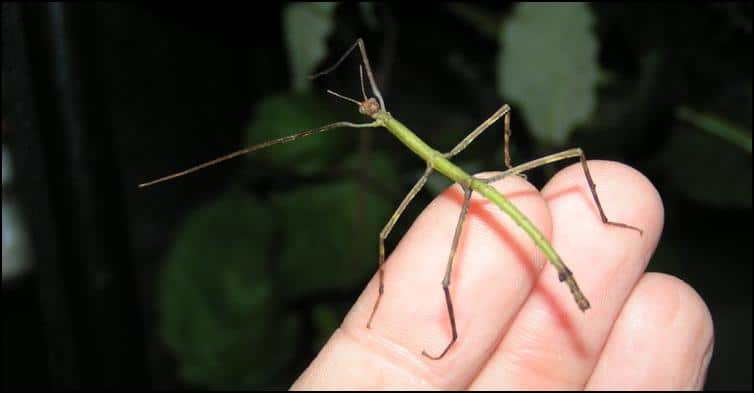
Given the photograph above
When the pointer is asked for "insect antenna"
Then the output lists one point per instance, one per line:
(361, 77)
(344, 97)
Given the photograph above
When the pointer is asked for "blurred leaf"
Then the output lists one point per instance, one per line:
(331, 232)
(368, 15)
(217, 300)
(548, 67)
(306, 26)
(486, 23)
(326, 320)
(708, 169)
(379, 168)
(717, 126)
(7, 167)
(286, 114)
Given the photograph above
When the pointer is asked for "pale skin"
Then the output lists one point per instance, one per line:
(517, 329)
(526, 335)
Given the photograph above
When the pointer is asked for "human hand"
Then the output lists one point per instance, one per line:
(518, 326)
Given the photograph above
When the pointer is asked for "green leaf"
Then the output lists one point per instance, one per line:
(548, 67)
(286, 114)
(326, 320)
(714, 125)
(331, 232)
(708, 169)
(306, 26)
(217, 298)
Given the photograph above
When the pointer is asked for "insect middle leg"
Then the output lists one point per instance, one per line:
(386, 231)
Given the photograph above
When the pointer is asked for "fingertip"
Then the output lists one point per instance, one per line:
(662, 339)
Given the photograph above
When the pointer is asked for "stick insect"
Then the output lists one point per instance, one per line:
(436, 161)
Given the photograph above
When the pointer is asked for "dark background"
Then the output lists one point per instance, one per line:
(100, 97)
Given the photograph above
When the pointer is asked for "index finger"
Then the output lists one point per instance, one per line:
(494, 271)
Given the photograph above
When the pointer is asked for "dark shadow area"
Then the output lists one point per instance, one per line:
(99, 97)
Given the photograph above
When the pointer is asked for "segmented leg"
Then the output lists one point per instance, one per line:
(504, 112)
(507, 142)
(570, 153)
(449, 270)
(507, 139)
(465, 142)
(386, 231)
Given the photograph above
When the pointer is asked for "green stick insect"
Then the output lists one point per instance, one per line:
(436, 161)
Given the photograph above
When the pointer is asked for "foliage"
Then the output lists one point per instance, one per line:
(236, 263)
(307, 25)
(218, 297)
(277, 115)
(294, 250)
(548, 67)
(718, 127)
